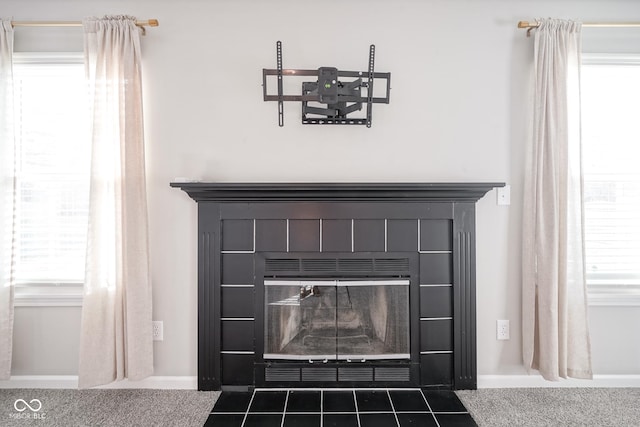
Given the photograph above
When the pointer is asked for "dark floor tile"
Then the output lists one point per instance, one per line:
(302, 420)
(408, 400)
(268, 401)
(455, 420)
(263, 420)
(443, 401)
(417, 420)
(303, 401)
(373, 401)
(224, 420)
(232, 401)
(378, 420)
(340, 420)
(338, 401)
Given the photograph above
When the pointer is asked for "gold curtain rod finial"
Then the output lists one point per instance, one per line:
(528, 24)
(153, 22)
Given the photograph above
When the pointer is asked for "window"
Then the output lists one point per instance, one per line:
(52, 176)
(611, 149)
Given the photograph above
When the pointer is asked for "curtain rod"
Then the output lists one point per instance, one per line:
(147, 23)
(531, 25)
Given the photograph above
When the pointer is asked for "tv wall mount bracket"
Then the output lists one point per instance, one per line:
(331, 99)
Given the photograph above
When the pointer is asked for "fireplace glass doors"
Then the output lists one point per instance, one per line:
(348, 320)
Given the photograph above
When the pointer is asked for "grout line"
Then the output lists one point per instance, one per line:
(246, 414)
(436, 352)
(429, 406)
(418, 234)
(353, 245)
(363, 413)
(287, 234)
(436, 285)
(284, 410)
(254, 235)
(393, 408)
(386, 232)
(254, 413)
(355, 402)
(321, 408)
(236, 352)
(321, 234)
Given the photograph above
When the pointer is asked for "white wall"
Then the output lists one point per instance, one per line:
(457, 113)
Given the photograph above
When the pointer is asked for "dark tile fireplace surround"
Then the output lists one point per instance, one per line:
(390, 268)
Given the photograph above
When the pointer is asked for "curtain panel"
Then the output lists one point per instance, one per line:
(116, 327)
(554, 297)
(7, 197)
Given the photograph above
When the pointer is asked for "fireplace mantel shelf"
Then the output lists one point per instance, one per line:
(348, 192)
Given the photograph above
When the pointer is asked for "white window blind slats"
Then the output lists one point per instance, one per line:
(611, 148)
(52, 174)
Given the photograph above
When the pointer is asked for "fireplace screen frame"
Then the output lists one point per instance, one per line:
(318, 315)
(348, 266)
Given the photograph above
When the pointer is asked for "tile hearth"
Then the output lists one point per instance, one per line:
(339, 408)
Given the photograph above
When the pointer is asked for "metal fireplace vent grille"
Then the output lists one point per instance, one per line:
(313, 374)
(337, 265)
(355, 374)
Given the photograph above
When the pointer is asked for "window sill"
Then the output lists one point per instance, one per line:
(628, 296)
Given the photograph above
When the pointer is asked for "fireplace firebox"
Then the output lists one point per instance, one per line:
(325, 320)
(337, 319)
(336, 285)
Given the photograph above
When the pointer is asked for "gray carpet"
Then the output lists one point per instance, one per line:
(616, 407)
(122, 408)
(490, 407)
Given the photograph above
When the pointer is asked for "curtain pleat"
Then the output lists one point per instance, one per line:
(554, 303)
(7, 197)
(116, 328)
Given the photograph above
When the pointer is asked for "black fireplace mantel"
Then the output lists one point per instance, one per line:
(244, 226)
(391, 192)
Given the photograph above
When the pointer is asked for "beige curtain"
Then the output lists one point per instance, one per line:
(7, 197)
(116, 331)
(554, 307)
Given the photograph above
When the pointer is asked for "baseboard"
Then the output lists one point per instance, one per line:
(71, 381)
(525, 381)
(191, 383)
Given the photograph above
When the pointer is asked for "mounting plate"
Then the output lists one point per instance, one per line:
(331, 99)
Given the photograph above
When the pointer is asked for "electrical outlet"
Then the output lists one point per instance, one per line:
(158, 330)
(502, 329)
(504, 195)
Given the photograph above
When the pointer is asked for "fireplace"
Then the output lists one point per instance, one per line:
(332, 285)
